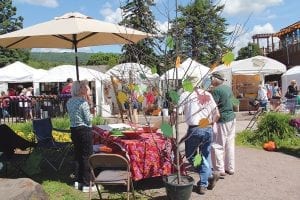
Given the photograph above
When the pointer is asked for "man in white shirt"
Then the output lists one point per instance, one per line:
(200, 112)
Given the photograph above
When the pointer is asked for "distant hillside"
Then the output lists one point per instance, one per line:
(63, 58)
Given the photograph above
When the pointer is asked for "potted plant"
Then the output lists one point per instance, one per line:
(178, 185)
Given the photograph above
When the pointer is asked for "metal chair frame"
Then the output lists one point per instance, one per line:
(112, 166)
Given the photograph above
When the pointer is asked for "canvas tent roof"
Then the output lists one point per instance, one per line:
(255, 65)
(138, 70)
(62, 72)
(188, 67)
(291, 74)
(17, 72)
(251, 66)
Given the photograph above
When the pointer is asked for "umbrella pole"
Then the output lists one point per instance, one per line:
(76, 56)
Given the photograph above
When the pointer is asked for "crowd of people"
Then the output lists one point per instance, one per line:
(271, 95)
(24, 105)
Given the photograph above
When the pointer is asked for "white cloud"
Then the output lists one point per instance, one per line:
(234, 7)
(45, 3)
(55, 50)
(162, 26)
(110, 15)
(244, 37)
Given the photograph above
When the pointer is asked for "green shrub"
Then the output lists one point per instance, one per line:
(98, 120)
(274, 126)
(61, 122)
(25, 128)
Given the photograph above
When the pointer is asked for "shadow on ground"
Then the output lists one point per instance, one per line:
(290, 151)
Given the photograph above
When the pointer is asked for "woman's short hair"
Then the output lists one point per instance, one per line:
(78, 87)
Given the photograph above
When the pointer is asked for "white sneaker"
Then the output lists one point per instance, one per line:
(78, 185)
(87, 189)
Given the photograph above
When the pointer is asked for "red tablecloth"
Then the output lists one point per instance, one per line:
(149, 154)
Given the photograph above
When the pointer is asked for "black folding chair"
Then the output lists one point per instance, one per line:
(54, 153)
(11, 158)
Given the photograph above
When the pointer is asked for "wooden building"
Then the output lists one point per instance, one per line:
(287, 50)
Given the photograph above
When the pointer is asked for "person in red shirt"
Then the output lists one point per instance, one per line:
(67, 88)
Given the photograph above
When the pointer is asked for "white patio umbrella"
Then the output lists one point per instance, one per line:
(72, 31)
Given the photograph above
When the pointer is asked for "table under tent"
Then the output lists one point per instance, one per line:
(245, 75)
(56, 77)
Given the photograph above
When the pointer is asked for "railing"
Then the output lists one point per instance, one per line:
(22, 108)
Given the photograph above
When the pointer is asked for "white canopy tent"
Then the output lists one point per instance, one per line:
(63, 72)
(17, 72)
(256, 65)
(291, 74)
(187, 68)
(138, 73)
(122, 71)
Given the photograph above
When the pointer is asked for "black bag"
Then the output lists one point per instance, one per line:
(288, 95)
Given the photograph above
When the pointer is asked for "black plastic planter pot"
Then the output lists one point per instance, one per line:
(181, 191)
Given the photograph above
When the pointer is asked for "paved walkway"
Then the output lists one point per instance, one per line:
(260, 175)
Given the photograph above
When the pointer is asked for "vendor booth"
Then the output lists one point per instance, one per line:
(123, 74)
(19, 73)
(50, 82)
(187, 68)
(244, 76)
(291, 74)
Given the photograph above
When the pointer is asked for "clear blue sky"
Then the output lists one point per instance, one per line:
(266, 16)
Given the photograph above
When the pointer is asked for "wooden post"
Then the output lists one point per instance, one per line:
(116, 95)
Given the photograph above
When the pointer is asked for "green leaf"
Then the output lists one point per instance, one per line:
(136, 88)
(228, 58)
(235, 101)
(197, 160)
(153, 70)
(116, 132)
(187, 85)
(174, 96)
(166, 129)
(170, 42)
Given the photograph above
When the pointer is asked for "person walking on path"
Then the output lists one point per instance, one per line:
(200, 105)
(223, 146)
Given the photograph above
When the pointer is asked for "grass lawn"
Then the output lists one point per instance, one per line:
(59, 185)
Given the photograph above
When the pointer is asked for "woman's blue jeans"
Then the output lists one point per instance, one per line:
(200, 139)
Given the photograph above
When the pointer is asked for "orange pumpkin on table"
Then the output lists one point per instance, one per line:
(269, 146)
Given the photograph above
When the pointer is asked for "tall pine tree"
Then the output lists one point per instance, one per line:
(201, 31)
(137, 15)
(10, 22)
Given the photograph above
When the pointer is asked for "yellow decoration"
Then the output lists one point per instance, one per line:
(204, 122)
(131, 86)
(140, 99)
(213, 66)
(177, 62)
(116, 81)
(122, 97)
